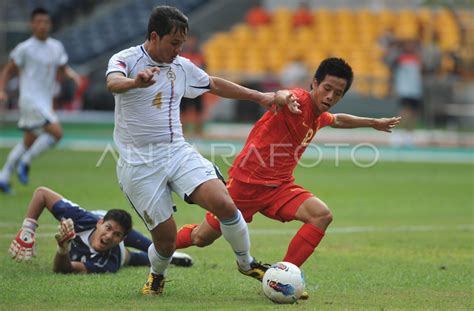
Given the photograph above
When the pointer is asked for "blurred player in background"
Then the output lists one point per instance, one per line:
(148, 82)
(37, 61)
(192, 109)
(88, 242)
(261, 178)
(408, 87)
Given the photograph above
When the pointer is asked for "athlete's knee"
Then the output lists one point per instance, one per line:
(56, 131)
(225, 208)
(321, 215)
(57, 135)
(326, 216)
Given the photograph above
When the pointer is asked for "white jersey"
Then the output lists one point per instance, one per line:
(38, 62)
(150, 117)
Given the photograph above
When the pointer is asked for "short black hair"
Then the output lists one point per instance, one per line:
(165, 19)
(120, 216)
(335, 67)
(39, 11)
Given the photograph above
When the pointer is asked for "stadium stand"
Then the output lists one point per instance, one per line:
(92, 30)
(352, 34)
(108, 30)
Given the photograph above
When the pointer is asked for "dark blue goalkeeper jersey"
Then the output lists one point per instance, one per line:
(81, 250)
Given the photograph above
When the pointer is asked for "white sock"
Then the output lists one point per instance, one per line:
(158, 263)
(13, 157)
(236, 232)
(44, 142)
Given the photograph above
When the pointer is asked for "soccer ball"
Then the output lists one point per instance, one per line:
(283, 282)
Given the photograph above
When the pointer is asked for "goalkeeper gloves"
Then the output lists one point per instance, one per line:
(65, 235)
(22, 248)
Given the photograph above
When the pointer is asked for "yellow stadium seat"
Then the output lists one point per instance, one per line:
(379, 88)
(264, 34)
(242, 31)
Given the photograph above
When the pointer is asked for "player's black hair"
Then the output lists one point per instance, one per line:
(120, 216)
(165, 19)
(39, 11)
(334, 67)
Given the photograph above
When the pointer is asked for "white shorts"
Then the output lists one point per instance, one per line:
(148, 187)
(33, 117)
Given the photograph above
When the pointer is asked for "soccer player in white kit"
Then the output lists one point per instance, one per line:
(148, 82)
(37, 60)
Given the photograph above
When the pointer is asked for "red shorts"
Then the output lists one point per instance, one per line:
(279, 203)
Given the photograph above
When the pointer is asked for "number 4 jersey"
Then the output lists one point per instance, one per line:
(150, 116)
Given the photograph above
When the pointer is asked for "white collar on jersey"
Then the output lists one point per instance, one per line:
(154, 63)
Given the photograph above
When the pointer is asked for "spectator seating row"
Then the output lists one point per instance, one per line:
(351, 34)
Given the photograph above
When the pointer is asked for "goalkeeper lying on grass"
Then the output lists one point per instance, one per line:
(86, 241)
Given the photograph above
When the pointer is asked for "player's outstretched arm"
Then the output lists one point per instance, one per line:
(342, 120)
(118, 83)
(22, 247)
(228, 89)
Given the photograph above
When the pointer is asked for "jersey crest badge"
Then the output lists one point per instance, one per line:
(171, 75)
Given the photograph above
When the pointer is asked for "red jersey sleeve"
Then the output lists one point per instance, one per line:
(326, 118)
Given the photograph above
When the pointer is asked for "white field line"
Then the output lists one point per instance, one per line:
(341, 230)
(214, 149)
(350, 230)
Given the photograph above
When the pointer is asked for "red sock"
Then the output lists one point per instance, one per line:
(303, 244)
(183, 238)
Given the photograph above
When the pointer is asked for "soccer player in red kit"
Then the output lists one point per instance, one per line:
(261, 177)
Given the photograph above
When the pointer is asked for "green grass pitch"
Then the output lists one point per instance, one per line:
(402, 238)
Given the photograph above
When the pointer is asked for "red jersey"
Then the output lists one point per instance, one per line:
(277, 142)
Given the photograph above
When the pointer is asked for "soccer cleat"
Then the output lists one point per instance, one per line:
(22, 172)
(154, 284)
(256, 271)
(304, 296)
(5, 187)
(181, 260)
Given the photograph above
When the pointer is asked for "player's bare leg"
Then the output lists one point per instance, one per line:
(314, 211)
(200, 235)
(29, 138)
(204, 235)
(55, 129)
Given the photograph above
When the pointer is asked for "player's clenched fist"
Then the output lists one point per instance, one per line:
(65, 235)
(145, 77)
(22, 248)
